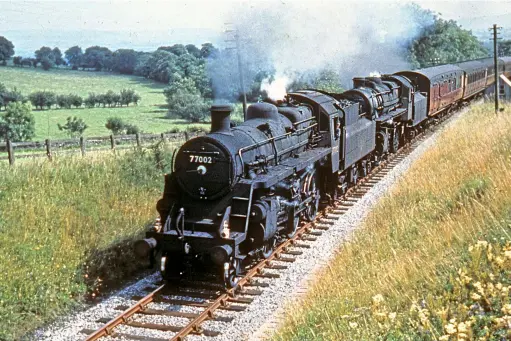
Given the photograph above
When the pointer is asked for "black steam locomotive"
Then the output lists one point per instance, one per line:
(235, 191)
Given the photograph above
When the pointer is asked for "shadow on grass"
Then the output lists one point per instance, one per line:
(110, 269)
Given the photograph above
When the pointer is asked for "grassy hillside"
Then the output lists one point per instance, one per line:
(148, 115)
(433, 261)
(66, 230)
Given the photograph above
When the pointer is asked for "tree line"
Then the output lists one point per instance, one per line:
(49, 99)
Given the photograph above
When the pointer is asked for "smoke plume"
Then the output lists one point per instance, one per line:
(283, 41)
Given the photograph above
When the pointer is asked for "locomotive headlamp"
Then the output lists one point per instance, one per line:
(202, 170)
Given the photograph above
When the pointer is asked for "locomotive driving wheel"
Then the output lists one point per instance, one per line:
(230, 273)
(268, 248)
(311, 191)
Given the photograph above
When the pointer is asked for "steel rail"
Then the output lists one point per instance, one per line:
(108, 328)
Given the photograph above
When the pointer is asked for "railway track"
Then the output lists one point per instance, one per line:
(209, 302)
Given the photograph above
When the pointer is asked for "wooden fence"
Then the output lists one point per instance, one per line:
(47, 148)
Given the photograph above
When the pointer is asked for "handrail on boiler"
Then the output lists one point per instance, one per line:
(273, 139)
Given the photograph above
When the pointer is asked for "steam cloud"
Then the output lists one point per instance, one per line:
(285, 40)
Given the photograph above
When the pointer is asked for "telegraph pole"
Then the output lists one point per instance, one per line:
(240, 70)
(495, 66)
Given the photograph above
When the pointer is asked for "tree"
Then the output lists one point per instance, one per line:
(6, 50)
(115, 124)
(126, 96)
(74, 126)
(97, 57)
(13, 95)
(17, 60)
(445, 41)
(64, 101)
(74, 56)
(58, 57)
(131, 129)
(185, 101)
(17, 123)
(193, 50)
(208, 50)
(505, 48)
(3, 90)
(45, 51)
(91, 101)
(40, 99)
(75, 100)
(177, 49)
(46, 63)
(124, 61)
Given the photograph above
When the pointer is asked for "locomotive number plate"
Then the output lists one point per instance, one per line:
(200, 159)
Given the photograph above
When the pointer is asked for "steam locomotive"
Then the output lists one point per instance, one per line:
(236, 191)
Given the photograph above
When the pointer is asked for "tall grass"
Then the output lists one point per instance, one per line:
(63, 223)
(399, 278)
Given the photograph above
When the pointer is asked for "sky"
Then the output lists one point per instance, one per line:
(145, 25)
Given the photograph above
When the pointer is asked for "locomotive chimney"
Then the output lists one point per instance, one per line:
(221, 119)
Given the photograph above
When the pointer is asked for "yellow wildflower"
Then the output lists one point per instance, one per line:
(392, 316)
(482, 244)
(353, 325)
(475, 296)
(507, 254)
(450, 329)
(444, 338)
(378, 299)
(462, 327)
(462, 336)
(506, 309)
(499, 260)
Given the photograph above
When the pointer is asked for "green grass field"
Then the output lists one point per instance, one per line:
(149, 115)
(67, 229)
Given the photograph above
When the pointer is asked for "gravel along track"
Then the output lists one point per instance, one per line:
(261, 317)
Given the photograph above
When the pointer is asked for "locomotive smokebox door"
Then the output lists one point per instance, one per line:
(335, 137)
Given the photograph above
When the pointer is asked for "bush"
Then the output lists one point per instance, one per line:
(127, 96)
(42, 99)
(76, 100)
(64, 101)
(185, 101)
(74, 126)
(116, 125)
(17, 123)
(132, 129)
(10, 96)
(91, 101)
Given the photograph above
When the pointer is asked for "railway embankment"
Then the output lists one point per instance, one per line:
(65, 231)
(432, 260)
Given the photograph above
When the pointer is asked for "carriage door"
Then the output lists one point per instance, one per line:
(335, 137)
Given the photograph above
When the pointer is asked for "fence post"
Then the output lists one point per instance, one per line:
(47, 142)
(162, 137)
(10, 152)
(112, 141)
(186, 136)
(137, 136)
(82, 145)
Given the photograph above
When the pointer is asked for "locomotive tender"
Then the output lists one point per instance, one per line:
(235, 191)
